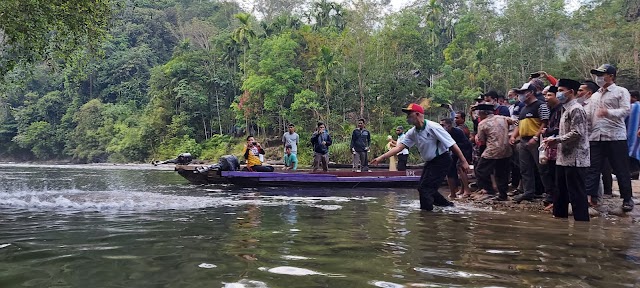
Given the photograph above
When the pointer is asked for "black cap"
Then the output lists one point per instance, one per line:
(553, 89)
(483, 107)
(604, 69)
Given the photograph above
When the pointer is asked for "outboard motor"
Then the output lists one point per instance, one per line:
(226, 163)
(229, 163)
(184, 158)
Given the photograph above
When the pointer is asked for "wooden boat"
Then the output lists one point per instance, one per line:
(336, 178)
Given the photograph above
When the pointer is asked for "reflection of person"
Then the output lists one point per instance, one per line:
(433, 143)
(392, 159)
(290, 159)
(360, 142)
(252, 150)
(321, 142)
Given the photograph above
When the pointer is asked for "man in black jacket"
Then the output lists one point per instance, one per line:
(320, 140)
(360, 142)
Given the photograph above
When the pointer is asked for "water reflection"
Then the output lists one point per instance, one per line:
(94, 227)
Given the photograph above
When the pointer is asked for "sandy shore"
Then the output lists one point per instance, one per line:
(610, 205)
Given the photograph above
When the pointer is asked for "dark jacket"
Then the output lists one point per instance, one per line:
(316, 141)
(360, 140)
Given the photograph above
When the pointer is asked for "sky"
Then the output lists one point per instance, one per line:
(397, 5)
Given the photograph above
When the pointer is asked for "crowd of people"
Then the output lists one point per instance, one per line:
(560, 142)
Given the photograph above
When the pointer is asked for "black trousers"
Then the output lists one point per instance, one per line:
(433, 174)
(571, 189)
(499, 168)
(607, 180)
(515, 169)
(402, 162)
(617, 153)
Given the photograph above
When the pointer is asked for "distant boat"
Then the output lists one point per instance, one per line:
(335, 178)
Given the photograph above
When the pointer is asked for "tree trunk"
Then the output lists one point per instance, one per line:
(361, 86)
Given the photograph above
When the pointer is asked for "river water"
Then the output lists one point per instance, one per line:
(140, 226)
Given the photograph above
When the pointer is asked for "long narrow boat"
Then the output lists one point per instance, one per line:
(374, 179)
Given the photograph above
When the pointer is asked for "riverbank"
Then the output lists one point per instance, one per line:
(610, 206)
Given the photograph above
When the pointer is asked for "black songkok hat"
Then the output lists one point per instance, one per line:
(570, 84)
(553, 89)
(592, 85)
(483, 107)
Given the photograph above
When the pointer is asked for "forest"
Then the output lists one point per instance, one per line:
(149, 79)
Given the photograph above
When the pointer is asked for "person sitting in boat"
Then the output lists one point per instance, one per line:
(290, 159)
(252, 152)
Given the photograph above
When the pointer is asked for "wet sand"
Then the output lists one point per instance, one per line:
(610, 206)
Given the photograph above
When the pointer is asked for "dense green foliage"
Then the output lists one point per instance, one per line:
(198, 76)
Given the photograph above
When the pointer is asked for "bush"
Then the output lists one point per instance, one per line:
(171, 148)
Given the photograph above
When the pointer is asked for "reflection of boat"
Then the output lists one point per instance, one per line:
(374, 179)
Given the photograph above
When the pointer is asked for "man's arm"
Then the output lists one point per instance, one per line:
(461, 157)
(623, 111)
(295, 162)
(389, 153)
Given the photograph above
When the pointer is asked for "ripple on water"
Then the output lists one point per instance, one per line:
(207, 265)
(246, 283)
(288, 270)
(385, 284)
(294, 257)
(450, 273)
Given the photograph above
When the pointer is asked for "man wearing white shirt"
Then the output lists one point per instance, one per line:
(606, 112)
(433, 143)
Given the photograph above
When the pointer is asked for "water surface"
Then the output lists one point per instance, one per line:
(140, 226)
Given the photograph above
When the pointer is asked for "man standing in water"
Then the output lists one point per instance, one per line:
(573, 154)
(608, 136)
(433, 143)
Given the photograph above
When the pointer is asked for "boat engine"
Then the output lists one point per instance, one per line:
(226, 163)
(184, 158)
(229, 163)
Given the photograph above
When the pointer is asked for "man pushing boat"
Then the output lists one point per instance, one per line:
(433, 143)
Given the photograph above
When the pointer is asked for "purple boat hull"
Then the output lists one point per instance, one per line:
(375, 179)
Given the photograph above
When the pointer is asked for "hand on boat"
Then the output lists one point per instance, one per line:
(376, 160)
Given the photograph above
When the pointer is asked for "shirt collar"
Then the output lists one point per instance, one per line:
(566, 105)
(423, 126)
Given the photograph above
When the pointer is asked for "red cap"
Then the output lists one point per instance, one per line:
(413, 107)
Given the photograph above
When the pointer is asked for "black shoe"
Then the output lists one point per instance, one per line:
(627, 205)
(522, 197)
(444, 203)
(514, 192)
(500, 198)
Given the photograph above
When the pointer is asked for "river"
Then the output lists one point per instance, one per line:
(140, 226)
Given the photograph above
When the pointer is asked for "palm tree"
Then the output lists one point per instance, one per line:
(326, 62)
(242, 35)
